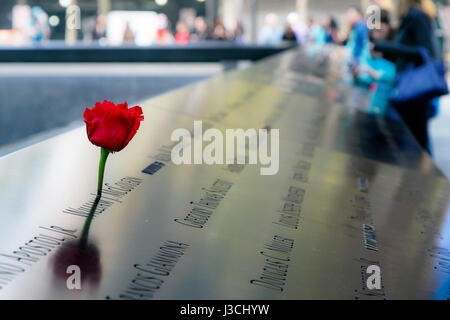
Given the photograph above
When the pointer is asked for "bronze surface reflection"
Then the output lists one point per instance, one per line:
(353, 190)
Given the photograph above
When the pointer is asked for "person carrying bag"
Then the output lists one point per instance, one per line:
(420, 70)
(422, 83)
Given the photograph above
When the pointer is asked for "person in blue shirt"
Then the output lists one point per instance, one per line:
(358, 37)
(271, 33)
(39, 24)
(376, 73)
(316, 33)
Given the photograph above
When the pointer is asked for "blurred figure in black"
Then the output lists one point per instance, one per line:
(416, 30)
(237, 32)
(98, 31)
(219, 32)
(289, 34)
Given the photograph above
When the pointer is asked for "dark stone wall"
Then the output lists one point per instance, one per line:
(34, 104)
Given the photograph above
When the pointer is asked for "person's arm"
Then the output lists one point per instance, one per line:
(374, 74)
(363, 75)
(398, 50)
(419, 27)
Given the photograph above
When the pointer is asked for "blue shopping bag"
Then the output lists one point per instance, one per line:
(423, 82)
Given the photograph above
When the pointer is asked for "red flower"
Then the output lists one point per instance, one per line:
(112, 126)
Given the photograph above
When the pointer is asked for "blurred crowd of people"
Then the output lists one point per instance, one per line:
(295, 30)
(200, 31)
(185, 31)
(30, 25)
(382, 53)
(402, 35)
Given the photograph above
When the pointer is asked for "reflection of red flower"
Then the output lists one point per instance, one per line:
(85, 256)
(112, 126)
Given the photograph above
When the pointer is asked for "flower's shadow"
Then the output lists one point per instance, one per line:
(79, 253)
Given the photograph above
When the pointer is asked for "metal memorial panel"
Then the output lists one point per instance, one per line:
(353, 193)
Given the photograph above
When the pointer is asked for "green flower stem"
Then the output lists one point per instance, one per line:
(101, 170)
(87, 223)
